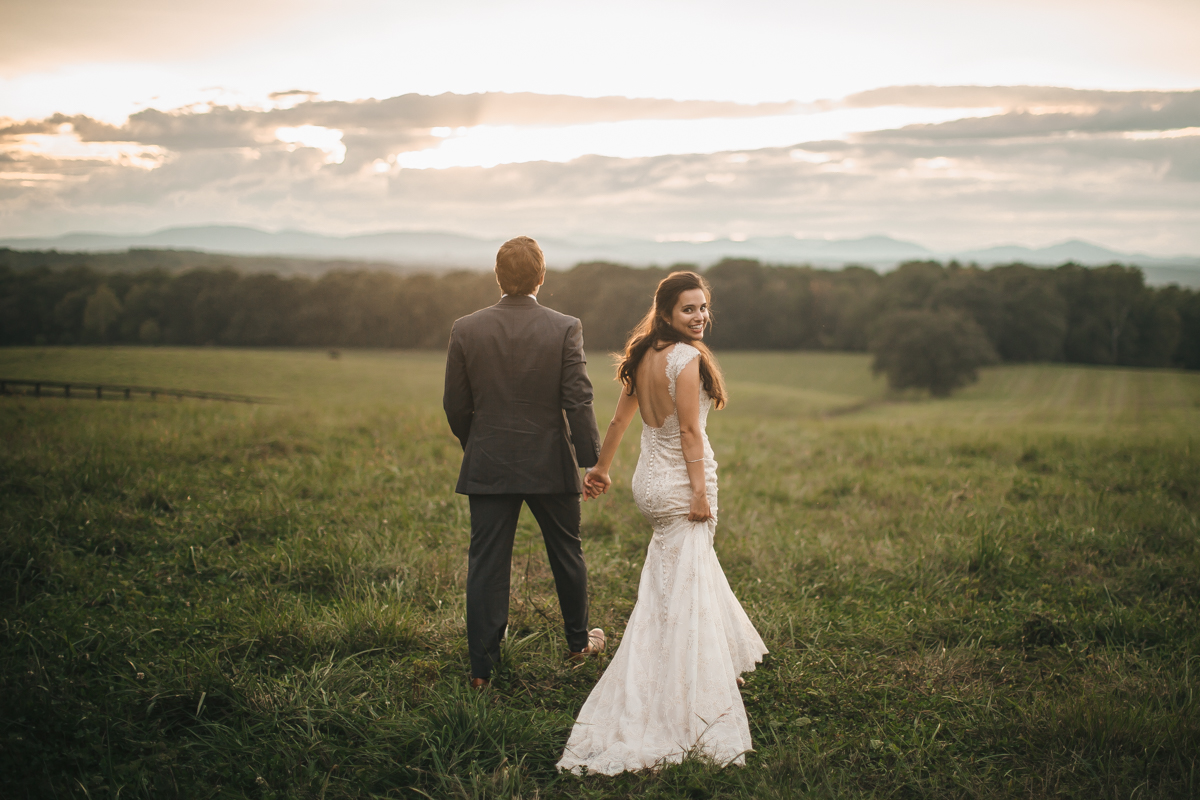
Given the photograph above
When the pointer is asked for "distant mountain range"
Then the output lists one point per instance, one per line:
(431, 250)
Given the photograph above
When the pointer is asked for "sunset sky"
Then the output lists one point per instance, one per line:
(953, 124)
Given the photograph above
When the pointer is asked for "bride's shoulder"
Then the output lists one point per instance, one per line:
(682, 352)
(679, 356)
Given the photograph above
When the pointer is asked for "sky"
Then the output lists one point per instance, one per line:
(953, 124)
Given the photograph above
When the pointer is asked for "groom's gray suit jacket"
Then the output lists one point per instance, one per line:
(519, 400)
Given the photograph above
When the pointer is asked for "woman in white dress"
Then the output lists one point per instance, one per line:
(672, 687)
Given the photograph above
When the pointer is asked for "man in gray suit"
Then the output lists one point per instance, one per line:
(519, 400)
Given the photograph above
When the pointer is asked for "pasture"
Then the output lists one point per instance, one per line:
(993, 595)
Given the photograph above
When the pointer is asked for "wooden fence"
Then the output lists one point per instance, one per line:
(103, 391)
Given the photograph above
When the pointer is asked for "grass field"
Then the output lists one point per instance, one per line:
(993, 595)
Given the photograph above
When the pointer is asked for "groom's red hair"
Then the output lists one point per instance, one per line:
(520, 266)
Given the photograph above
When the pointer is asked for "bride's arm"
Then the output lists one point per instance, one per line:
(597, 480)
(687, 403)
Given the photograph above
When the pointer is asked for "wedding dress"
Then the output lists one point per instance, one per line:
(671, 688)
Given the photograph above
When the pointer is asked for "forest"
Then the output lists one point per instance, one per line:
(1071, 313)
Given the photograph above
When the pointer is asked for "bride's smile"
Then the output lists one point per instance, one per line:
(690, 315)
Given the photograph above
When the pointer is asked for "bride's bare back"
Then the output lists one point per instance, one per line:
(653, 394)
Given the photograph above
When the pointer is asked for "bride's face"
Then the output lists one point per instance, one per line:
(690, 314)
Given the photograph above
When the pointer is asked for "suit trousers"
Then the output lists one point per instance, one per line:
(489, 567)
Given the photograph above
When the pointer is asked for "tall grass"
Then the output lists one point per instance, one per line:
(989, 596)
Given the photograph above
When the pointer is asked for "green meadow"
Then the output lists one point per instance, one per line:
(990, 596)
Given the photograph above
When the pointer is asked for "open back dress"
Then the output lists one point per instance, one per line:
(671, 687)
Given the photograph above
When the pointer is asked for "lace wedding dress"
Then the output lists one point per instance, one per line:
(671, 688)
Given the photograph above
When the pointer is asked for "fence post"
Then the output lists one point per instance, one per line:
(37, 390)
(99, 389)
(126, 392)
(66, 390)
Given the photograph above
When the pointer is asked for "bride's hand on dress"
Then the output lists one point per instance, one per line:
(699, 510)
(595, 483)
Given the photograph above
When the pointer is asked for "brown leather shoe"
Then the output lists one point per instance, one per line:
(595, 646)
(480, 683)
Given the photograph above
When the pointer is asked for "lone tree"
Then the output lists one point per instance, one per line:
(935, 350)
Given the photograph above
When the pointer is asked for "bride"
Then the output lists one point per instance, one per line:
(672, 686)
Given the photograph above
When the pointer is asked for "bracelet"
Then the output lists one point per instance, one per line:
(694, 460)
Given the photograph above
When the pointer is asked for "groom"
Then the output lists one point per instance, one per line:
(519, 400)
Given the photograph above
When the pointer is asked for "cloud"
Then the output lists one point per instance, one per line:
(378, 128)
(220, 126)
(294, 93)
(374, 129)
(1009, 98)
(1093, 112)
(1105, 171)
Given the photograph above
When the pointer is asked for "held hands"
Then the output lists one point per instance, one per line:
(595, 483)
(699, 510)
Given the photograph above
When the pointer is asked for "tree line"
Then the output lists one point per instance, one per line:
(1103, 315)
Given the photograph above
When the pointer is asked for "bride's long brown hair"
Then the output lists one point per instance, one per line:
(655, 331)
